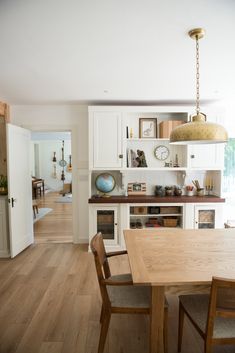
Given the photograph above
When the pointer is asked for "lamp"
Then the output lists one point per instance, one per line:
(198, 130)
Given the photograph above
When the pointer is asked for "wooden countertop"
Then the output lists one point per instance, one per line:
(156, 199)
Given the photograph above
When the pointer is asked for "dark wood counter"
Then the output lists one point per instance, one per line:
(155, 199)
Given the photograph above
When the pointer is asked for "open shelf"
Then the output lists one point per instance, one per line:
(158, 215)
(146, 139)
(155, 169)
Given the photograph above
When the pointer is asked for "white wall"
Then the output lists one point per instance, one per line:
(64, 118)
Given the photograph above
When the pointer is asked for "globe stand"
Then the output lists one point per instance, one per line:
(103, 194)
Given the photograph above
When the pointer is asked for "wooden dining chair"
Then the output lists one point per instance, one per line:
(119, 295)
(212, 315)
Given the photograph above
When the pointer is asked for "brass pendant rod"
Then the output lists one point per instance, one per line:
(197, 77)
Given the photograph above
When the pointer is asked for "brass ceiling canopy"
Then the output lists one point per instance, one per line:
(198, 130)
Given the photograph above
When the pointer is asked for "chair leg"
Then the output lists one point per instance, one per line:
(102, 314)
(165, 332)
(104, 331)
(207, 347)
(180, 328)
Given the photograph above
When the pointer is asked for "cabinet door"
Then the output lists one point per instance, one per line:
(107, 148)
(206, 156)
(106, 222)
(208, 216)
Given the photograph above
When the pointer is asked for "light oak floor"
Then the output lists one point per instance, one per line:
(50, 303)
(56, 226)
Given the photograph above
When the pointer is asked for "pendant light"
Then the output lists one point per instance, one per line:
(198, 130)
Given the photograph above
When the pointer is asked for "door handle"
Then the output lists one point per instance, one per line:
(12, 201)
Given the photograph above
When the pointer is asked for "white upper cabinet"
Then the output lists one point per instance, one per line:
(206, 156)
(105, 139)
(210, 156)
(110, 144)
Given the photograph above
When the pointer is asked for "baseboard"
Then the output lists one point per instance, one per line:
(4, 254)
(81, 241)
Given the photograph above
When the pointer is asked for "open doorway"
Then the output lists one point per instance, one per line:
(51, 170)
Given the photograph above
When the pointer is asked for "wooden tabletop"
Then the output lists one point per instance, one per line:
(180, 257)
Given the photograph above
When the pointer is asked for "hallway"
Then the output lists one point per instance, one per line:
(56, 226)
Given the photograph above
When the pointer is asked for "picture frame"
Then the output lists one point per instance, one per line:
(147, 127)
(136, 189)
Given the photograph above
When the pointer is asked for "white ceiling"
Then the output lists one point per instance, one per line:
(76, 51)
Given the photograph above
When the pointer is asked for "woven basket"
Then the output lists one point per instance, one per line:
(169, 209)
(170, 222)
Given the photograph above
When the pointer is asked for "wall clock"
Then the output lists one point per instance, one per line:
(161, 152)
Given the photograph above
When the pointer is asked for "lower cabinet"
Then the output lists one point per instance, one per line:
(4, 234)
(112, 219)
(203, 216)
(107, 219)
(208, 216)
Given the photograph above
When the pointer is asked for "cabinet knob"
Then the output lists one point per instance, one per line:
(192, 156)
(120, 156)
(115, 224)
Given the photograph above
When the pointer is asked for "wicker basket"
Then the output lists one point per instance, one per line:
(169, 209)
(139, 210)
(170, 222)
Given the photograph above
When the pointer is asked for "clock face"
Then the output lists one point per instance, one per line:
(161, 152)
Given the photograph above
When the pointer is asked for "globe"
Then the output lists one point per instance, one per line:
(105, 183)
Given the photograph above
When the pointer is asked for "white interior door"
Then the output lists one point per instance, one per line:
(19, 189)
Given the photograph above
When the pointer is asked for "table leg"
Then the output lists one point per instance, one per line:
(157, 320)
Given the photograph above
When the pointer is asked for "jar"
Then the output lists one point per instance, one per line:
(169, 190)
(159, 191)
(200, 192)
(178, 191)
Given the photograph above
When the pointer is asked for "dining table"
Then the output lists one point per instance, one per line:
(171, 259)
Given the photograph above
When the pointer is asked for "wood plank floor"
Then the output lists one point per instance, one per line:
(57, 225)
(50, 303)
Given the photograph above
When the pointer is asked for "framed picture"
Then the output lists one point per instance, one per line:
(147, 128)
(136, 189)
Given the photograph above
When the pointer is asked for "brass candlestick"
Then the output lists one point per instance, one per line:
(209, 189)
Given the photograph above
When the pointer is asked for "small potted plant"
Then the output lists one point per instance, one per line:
(3, 185)
(169, 190)
(178, 191)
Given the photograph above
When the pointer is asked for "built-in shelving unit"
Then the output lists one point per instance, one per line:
(157, 216)
(109, 151)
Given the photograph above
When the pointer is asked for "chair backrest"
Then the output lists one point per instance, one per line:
(222, 301)
(101, 264)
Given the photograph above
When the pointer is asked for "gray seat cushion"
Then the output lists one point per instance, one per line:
(129, 296)
(197, 308)
(122, 277)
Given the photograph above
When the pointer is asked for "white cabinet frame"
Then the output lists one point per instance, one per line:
(93, 210)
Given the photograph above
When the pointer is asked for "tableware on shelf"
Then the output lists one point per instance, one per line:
(178, 191)
(169, 190)
(201, 192)
(189, 190)
(159, 191)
